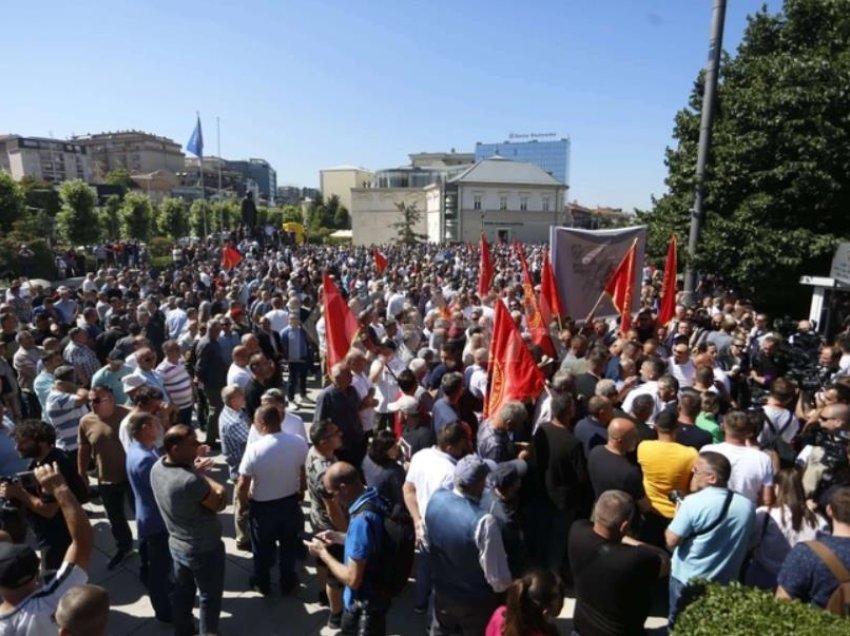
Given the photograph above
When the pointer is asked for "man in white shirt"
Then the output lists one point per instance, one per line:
(384, 374)
(272, 474)
(238, 372)
(357, 362)
(27, 606)
(430, 470)
(752, 469)
(278, 316)
(681, 366)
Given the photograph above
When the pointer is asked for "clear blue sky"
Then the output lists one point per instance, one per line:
(311, 84)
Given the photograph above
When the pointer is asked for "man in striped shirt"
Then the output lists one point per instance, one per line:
(176, 381)
(64, 407)
(80, 357)
(233, 426)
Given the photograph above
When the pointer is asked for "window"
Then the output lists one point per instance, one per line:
(476, 201)
(545, 204)
(503, 202)
(523, 202)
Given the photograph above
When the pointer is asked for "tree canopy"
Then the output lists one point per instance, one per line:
(77, 220)
(11, 201)
(778, 182)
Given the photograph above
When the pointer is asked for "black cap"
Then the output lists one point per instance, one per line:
(507, 474)
(18, 564)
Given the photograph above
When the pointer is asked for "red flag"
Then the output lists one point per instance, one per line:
(380, 261)
(485, 269)
(667, 309)
(340, 322)
(538, 329)
(621, 287)
(513, 373)
(230, 257)
(550, 300)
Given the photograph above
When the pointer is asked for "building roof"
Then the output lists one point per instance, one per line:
(341, 168)
(501, 170)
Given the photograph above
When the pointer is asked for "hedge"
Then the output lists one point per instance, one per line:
(735, 610)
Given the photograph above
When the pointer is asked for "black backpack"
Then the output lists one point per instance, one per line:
(397, 548)
(784, 451)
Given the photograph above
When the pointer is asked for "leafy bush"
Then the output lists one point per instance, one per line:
(736, 610)
(160, 246)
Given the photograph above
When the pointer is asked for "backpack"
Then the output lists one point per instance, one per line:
(785, 451)
(839, 600)
(397, 548)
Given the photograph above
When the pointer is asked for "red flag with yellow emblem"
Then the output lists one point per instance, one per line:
(536, 325)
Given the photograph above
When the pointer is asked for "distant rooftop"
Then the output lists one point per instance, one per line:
(345, 167)
(501, 170)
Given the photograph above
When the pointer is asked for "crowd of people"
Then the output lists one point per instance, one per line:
(696, 449)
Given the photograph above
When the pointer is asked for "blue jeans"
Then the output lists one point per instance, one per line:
(274, 527)
(157, 573)
(202, 572)
(676, 588)
(423, 579)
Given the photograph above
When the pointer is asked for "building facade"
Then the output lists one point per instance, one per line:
(375, 210)
(51, 160)
(260, 172)
(136, 151)
(507, 200)
(340, 180)
(553, 156)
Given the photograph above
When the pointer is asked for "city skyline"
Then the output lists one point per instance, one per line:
(309, 86)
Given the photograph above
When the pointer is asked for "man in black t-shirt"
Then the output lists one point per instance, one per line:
(614, 575)
(609, 467)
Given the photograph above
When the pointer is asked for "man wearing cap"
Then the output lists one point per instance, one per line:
(415, 432)
(65, 405)
(28, 608)
(470, 567)
(78, 355)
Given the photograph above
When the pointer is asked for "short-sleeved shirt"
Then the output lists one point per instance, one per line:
(179, 491)
(614, 583)
(140, 461)
(666, 467)
(34, 615)
(708, 423)
(387, 479)
(591, 433)
(102, 435)
(495, 444)
(63, 413)
(805, 576)
(112, 379)
(274, 464)
(363, 543)
(752, 469)
(717, 554)
(609, 471)
(430, 469)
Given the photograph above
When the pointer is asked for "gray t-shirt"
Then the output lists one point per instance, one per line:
(178, 490)
(315, 469)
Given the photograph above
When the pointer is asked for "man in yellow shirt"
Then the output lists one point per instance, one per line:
(666, 467)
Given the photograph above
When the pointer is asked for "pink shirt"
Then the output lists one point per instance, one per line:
(494, 627)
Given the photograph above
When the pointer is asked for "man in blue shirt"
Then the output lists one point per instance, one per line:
(710, 531)
(156, 564)
(296, 353)
(365, 605)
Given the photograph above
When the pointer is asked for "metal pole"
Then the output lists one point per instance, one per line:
(718, 15)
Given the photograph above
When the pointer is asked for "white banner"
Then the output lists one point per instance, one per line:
(583, 260)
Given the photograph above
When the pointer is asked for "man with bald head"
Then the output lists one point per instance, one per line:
(238, 372)
(610, 469)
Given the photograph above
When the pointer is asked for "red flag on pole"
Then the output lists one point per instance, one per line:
(550, 300)
(621, 287)
(667, 308)
(230, 257)
(538, 329)
(340, 322)
(485, 269)
(380, 261)
(513, 373)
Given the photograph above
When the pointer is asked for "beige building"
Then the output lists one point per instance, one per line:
(375, 210)
(508, 200)
(340, 180)
(136, 151)
(52, 160)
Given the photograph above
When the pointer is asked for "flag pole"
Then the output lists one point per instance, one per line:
(203, 192)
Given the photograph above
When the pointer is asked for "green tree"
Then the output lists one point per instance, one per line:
(120, 177)
(110, 217)
(226, 215)
(275, 217)
(778, 184)
(77, 221)
(40, 195)
(199, 217)
(11, 201)
(411, 218)
(137, 217)
(292, 214)
(173, 218)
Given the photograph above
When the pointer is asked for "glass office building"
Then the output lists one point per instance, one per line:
(552, 156)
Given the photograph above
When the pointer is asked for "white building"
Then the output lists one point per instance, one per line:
(52, 160)
(340, 180)
(508, 200)
(375, 210)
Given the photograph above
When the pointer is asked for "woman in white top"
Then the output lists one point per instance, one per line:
(778, 528)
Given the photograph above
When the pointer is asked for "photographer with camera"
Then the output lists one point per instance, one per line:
(35, 441)
(28, 608)
(825, 456)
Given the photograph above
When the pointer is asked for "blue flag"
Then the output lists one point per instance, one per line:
(196, 141)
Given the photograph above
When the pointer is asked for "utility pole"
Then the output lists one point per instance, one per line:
(718, 16)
